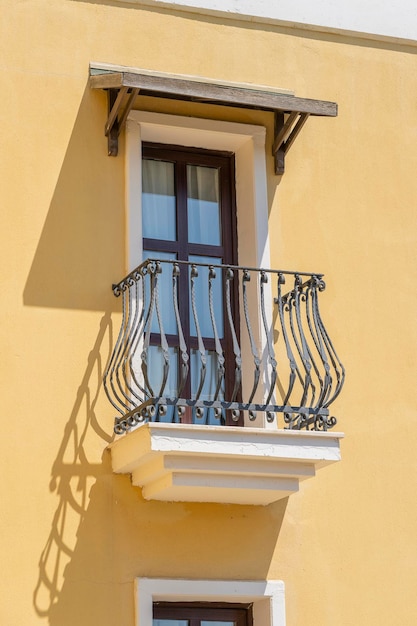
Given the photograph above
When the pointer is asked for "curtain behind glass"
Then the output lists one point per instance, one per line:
(203, 205)
(158, 200)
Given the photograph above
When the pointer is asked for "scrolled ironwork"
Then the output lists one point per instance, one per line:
(285, 358)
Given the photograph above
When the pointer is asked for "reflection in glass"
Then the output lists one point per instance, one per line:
(165, 294)
(155, 376)
(155, 371)
(203, 205)
(202, 299)
(171, 622)
(158, 200)
(209, 386)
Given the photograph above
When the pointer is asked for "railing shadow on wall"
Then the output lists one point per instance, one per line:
(72, 477)
(103, 534)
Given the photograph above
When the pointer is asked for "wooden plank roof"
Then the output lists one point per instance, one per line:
(157, 84)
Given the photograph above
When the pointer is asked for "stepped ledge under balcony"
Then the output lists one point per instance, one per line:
(194, 463)
(222, 377)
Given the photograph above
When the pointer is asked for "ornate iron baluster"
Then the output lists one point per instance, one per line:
(325, 384)
(303, 349)
(219, 352)
(298, 420)
(134, 328)
(271, 354)
(119, 404)
(182, 344)
(201, 348)
(138, 334)
(122, 347)
(337, 364)
(120, 360)
(282, 303)
(291, 306)
(151, 270)
(256, 360)
(164, 343)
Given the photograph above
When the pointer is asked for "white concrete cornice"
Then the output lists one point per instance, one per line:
(190, 463)
(392, 21)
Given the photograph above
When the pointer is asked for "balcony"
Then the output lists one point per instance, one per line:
(204, 350)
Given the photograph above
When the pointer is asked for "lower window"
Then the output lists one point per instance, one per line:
(265, 599)
(200, 614)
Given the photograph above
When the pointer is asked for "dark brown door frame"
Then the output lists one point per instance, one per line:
(227, 251)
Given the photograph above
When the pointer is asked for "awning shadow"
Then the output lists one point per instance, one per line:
(81, 249)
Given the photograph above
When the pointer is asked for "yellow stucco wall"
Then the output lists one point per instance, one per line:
(73, 535)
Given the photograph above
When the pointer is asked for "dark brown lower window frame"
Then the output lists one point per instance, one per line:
(195, 612)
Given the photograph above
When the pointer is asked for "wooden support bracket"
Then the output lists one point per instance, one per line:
(120, 103)
(287, 128)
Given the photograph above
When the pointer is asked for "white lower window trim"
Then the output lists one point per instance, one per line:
(268, 597)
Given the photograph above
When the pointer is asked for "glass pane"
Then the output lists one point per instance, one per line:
(164, 294)
(155, 376)
(171, 622)
(203, 205)
(202, 299)
(158, 200)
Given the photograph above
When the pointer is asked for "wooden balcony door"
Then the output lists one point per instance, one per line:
(189, 214)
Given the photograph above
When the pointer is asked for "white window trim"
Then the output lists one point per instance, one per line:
(268, 597)
(247, 141)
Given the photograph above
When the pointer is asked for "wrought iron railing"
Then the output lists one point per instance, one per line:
(212, 344)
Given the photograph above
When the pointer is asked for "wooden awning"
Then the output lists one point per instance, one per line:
(123, 85)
